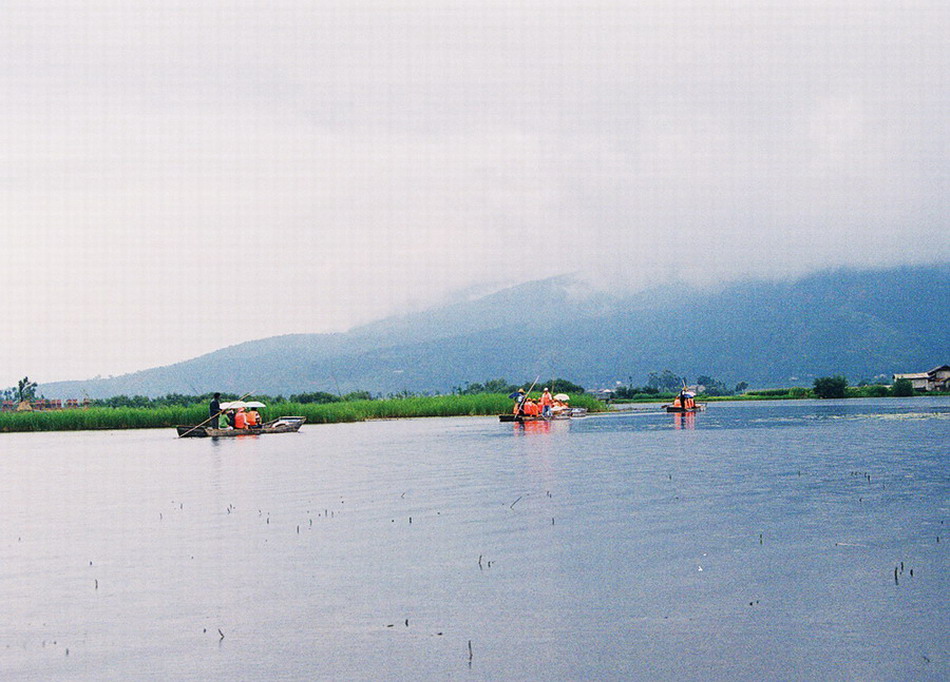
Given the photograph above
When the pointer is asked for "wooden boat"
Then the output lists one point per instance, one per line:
(559, 410)
(684, 403)
(684, 410)
(557, 413)
(280, 425)
(521, 418)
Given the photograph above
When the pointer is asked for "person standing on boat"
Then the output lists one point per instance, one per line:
(547, 403)
(519, 398)
(214, 408)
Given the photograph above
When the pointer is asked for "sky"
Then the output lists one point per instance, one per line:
(177, 177)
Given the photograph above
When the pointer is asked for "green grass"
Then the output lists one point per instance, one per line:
(351, 411)
(101, 418)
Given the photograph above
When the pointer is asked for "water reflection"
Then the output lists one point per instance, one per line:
(530, 427)
(684, 420)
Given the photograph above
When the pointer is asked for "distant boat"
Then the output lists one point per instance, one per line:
(281, 425)
(684, 410)
(565, 413)
(685, 403)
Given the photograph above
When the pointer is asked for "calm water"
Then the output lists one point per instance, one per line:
(758, 540)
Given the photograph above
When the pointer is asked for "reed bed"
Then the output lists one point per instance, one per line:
(351, 411)
(101, 418)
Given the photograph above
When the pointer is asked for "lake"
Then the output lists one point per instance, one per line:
(757, 540)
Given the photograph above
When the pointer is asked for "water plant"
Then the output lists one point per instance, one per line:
(316, 413)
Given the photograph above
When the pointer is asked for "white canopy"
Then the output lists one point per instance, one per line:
(238, 404)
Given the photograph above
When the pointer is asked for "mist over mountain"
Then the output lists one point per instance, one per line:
(860, 323)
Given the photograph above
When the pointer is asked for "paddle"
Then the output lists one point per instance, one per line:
(217, 414)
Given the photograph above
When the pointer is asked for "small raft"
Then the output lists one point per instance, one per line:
(281, 425)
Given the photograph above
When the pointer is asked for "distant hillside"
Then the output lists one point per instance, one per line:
(859, 323)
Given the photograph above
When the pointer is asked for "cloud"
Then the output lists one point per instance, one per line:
(178, 177)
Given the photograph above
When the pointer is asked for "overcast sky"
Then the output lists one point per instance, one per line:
(178, 177)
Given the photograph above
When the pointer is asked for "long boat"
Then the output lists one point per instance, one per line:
(281, 425)
(523, 418)
(568, 413)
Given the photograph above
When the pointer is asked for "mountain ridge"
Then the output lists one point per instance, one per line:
(861, 323)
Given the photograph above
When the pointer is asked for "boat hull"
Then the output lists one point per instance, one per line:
(523, 418)
(282, 425)
(684, 410)
(568, 413)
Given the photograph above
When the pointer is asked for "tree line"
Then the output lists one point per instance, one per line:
(501, 385)
(658, 384)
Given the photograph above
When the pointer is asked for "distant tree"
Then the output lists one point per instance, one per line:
(624, 392)
(26, 389)
(713, 386)
(831, 387)
(876, 391)
(358, 395)
(564, 386)
(665, 381)
(499, 385)
(319, 397)
(628, 392)
(741, 387)
(902, 388)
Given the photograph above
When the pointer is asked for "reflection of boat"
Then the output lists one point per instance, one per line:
(281, 425)
(684, 420)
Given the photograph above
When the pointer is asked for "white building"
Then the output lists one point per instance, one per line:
(937, 379)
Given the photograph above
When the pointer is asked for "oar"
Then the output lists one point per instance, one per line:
(217, 414)
(527, 393)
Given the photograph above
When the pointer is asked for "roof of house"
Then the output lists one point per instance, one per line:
(917, 375)
(937, 369)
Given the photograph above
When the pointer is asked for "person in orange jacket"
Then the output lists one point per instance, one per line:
(547, 403)
(253, 419)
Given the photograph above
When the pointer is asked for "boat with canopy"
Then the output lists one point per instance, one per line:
(285, 424)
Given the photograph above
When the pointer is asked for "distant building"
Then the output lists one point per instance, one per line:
(937, 379)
